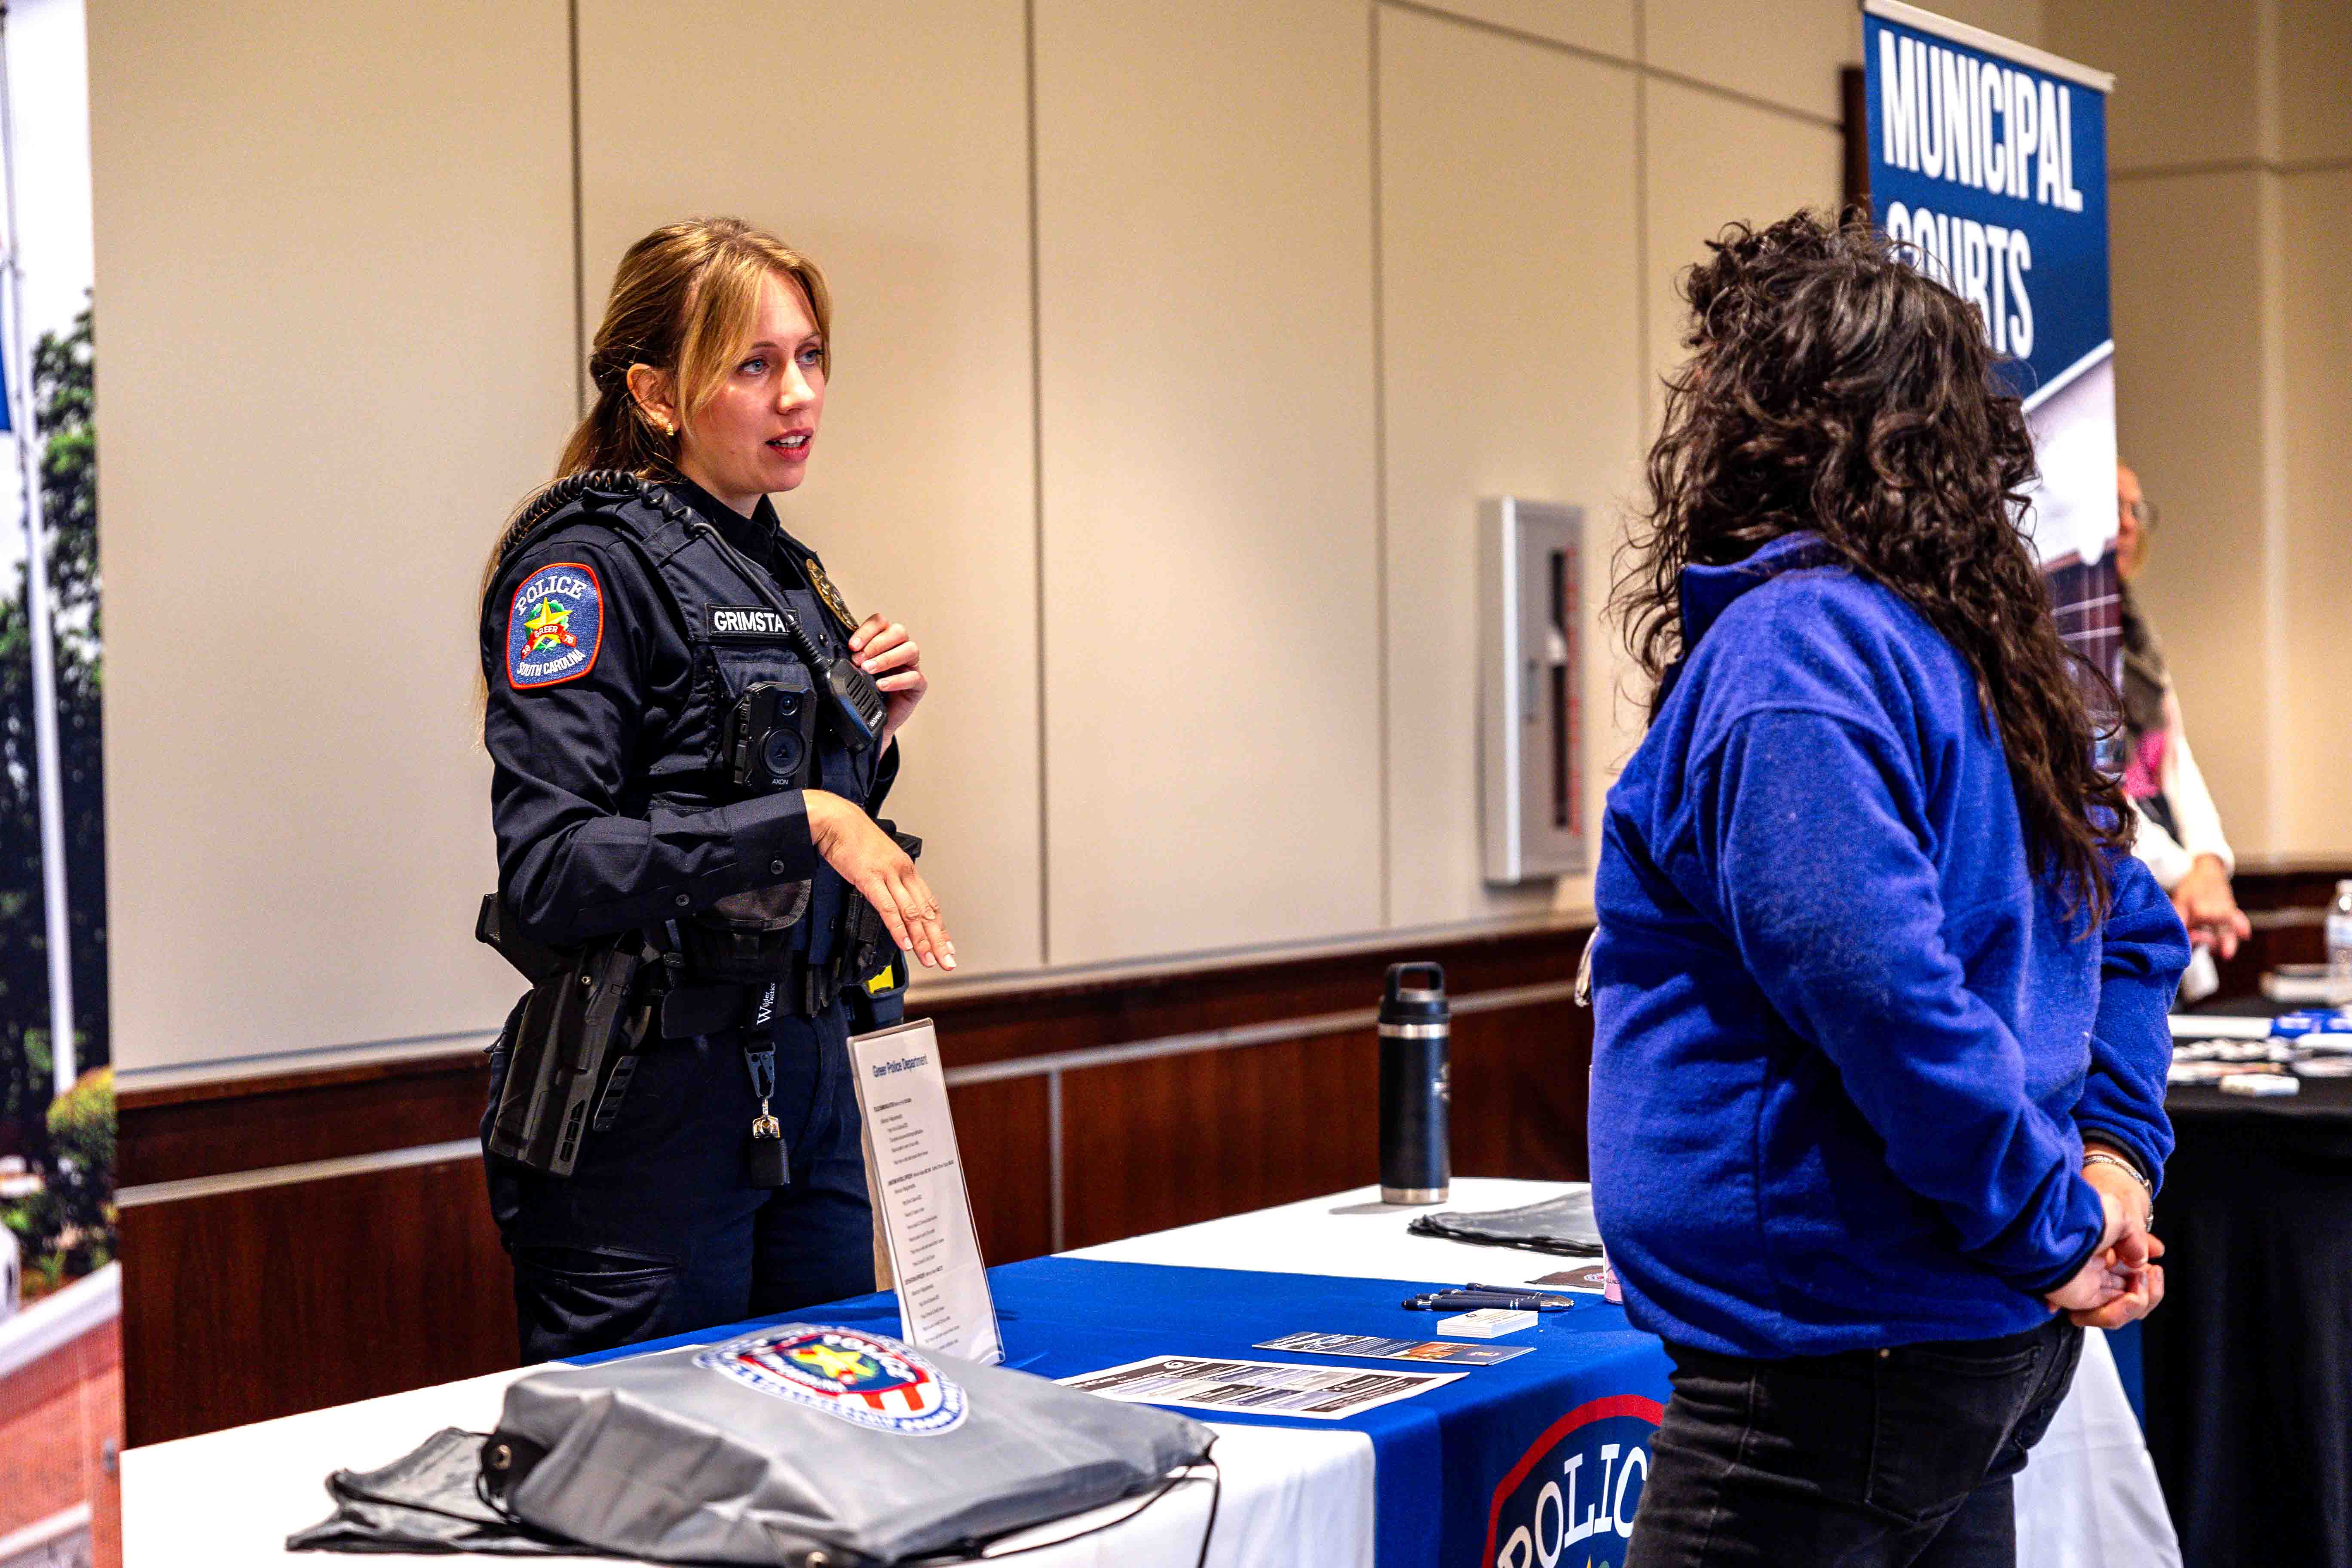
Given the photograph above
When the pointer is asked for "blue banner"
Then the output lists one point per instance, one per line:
(1989, 160)
(1538, 1462)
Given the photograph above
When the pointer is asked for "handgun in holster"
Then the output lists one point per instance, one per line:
(574, 1047)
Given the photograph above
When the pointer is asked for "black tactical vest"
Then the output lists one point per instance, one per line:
(728, 607)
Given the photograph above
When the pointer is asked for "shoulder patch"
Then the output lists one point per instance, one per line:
(555, 625)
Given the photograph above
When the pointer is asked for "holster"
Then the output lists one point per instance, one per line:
(495, 928)
(579, 1024)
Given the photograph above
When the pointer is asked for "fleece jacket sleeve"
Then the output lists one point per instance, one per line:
(2143, 950)
(1835, 907)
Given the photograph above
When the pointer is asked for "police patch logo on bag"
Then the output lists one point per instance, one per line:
(555, 627)
(865, 1381)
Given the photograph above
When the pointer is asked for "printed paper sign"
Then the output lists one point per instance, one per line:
(922, 1212)
(1264, 1387)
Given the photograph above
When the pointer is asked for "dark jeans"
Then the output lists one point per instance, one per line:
(1873, 1459)
(657, 1231)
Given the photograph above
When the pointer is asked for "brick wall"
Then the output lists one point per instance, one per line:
(60, 1429)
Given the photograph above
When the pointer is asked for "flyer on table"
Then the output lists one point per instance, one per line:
(1324, 1393)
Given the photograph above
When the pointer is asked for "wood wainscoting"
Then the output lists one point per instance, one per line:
(307, 1239)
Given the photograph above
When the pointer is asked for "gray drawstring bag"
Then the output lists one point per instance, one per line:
(428, 1500)
(1563, 1226)
(812, 1446)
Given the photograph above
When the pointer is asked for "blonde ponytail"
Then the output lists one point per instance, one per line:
(685, 301)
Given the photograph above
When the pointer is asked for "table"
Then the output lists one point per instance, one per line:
(2089, 1497)
(1291, 1495)
(232, 1497)
(2249, 1364)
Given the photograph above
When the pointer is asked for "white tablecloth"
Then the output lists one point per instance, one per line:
(1294, 1497)
(232, 1497)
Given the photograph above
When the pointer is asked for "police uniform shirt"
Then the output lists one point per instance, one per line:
(604, 799)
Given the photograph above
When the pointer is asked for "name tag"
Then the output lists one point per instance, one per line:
(746, 623)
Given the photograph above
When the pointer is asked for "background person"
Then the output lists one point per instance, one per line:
(2180, 835)
(615, 643)
(1874, 966)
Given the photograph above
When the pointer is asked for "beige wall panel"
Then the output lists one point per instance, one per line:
(2019, 19)
(1511, 293)
(1212, 621)
(2187, 77)
(334, 277)
(2188, 319)
(1604, 26)
(2315, 63)
(1784, 51)
(2317, 797)
(1712, 161)
(890, 142)
(1789, 51)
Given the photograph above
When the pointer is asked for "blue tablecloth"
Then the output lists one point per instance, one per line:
(1515, 1465)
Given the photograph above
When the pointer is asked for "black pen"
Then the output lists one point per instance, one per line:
(1477, 1297)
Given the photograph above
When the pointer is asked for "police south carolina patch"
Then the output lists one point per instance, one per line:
(554, 627)
(866, 1382)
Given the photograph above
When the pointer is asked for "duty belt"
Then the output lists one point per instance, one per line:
(804, 988)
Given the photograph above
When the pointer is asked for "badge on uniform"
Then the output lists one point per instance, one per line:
(829, 593)
(555, 627)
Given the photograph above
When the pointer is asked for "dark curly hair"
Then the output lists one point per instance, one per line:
(1834, 388)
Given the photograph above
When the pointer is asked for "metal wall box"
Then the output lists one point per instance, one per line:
(1531, 722)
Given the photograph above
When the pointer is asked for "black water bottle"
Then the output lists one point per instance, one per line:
(1415, 1037)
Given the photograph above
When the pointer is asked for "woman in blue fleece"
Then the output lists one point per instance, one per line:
(1879, 997)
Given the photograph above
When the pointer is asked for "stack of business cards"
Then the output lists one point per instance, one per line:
(1485, 1324)
(2259, 1083)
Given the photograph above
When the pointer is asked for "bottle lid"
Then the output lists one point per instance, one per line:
(1413, 991)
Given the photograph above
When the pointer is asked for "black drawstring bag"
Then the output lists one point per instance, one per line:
(1564, 1226)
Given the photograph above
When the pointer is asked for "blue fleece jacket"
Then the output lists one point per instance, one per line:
(1847, 1044)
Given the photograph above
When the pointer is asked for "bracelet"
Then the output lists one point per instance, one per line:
(2101, 1157)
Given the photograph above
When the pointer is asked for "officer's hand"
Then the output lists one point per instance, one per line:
(871, 861)
(885, 651)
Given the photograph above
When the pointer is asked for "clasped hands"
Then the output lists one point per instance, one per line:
(2122, 1281)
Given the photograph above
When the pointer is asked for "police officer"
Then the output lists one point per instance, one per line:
(691, 735)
